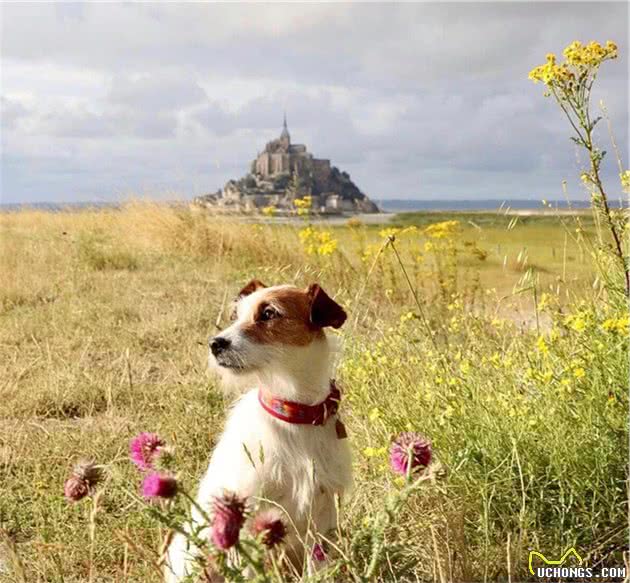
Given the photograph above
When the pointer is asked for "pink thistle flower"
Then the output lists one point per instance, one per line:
(410, 449)
(159, 485)
(318, 553)
(229, 517)
(85, 476)
(269, 527)
(144, 449)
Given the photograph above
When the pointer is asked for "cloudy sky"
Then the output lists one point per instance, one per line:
(431, 100)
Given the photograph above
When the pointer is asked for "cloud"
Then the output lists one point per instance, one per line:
(415, 100)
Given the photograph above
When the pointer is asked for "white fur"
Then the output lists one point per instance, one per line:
(299, 467)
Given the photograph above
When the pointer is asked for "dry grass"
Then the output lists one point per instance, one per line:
(104, 317)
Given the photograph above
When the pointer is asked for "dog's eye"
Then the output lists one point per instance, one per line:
(233, 315)
(268, 314)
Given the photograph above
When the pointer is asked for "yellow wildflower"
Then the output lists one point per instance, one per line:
(577, 321)
(375, 414)
(389, 232)
(580, 61)
(317, 242)
(579, 373)
(544, 301)
(617, 325)
(443, 230)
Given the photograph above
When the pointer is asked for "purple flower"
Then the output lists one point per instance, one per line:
(269, 527)
(159, 485)
(409, 448)
(229, 517)
(144, 449)
(85, 476)
(318, 553)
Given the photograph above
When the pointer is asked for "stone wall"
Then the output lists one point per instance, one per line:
(321, 174)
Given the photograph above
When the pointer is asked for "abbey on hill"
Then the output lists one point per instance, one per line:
(283, 172)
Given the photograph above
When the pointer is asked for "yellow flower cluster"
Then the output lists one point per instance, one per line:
(590, 55)
(317, 242)
(375, 414)
(269, 211)
(617, 325)
(544, 301)
(374, 451)
(443, 230)
(303, 205)
(551, 72)
(625, 181)
(579, 372)
(578, 321)
(578, 57)
(304, 202)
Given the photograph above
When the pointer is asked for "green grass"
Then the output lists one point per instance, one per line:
(104, 317)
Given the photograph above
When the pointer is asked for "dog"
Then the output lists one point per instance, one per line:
(283, 440)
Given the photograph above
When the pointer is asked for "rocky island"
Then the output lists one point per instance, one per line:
(284, 172)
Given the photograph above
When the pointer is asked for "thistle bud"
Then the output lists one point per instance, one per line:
(85, 476)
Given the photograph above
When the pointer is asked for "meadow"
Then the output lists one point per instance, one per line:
(492, 335)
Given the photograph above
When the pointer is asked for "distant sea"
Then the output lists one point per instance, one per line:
(55, 206)
(405, 205)
(392, 205)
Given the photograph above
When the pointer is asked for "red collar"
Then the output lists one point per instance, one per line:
(299, 413)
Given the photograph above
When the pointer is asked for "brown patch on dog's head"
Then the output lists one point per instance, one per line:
(251, 287)
(291, 316)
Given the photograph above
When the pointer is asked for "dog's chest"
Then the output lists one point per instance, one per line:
(304, 449)
(289, 463)
(305, 464)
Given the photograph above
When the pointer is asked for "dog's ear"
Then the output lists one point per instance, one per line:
(251, 287)
(324, 310)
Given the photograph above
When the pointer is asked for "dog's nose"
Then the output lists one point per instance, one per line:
(218, 344)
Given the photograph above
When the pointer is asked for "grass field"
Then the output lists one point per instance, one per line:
(493, 336)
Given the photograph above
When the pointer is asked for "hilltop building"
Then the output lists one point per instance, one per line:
(283, 172)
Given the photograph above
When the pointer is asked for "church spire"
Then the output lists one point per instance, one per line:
(285, 129)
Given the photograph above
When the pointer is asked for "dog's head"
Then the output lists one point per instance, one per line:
(274, 327)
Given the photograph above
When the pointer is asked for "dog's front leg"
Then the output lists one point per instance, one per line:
(323, 524)
(226, 473)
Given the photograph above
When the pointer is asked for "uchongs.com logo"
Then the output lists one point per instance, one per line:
(556, 568)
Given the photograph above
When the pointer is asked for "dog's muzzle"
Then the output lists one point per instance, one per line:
(225, 354)
(218, 344)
